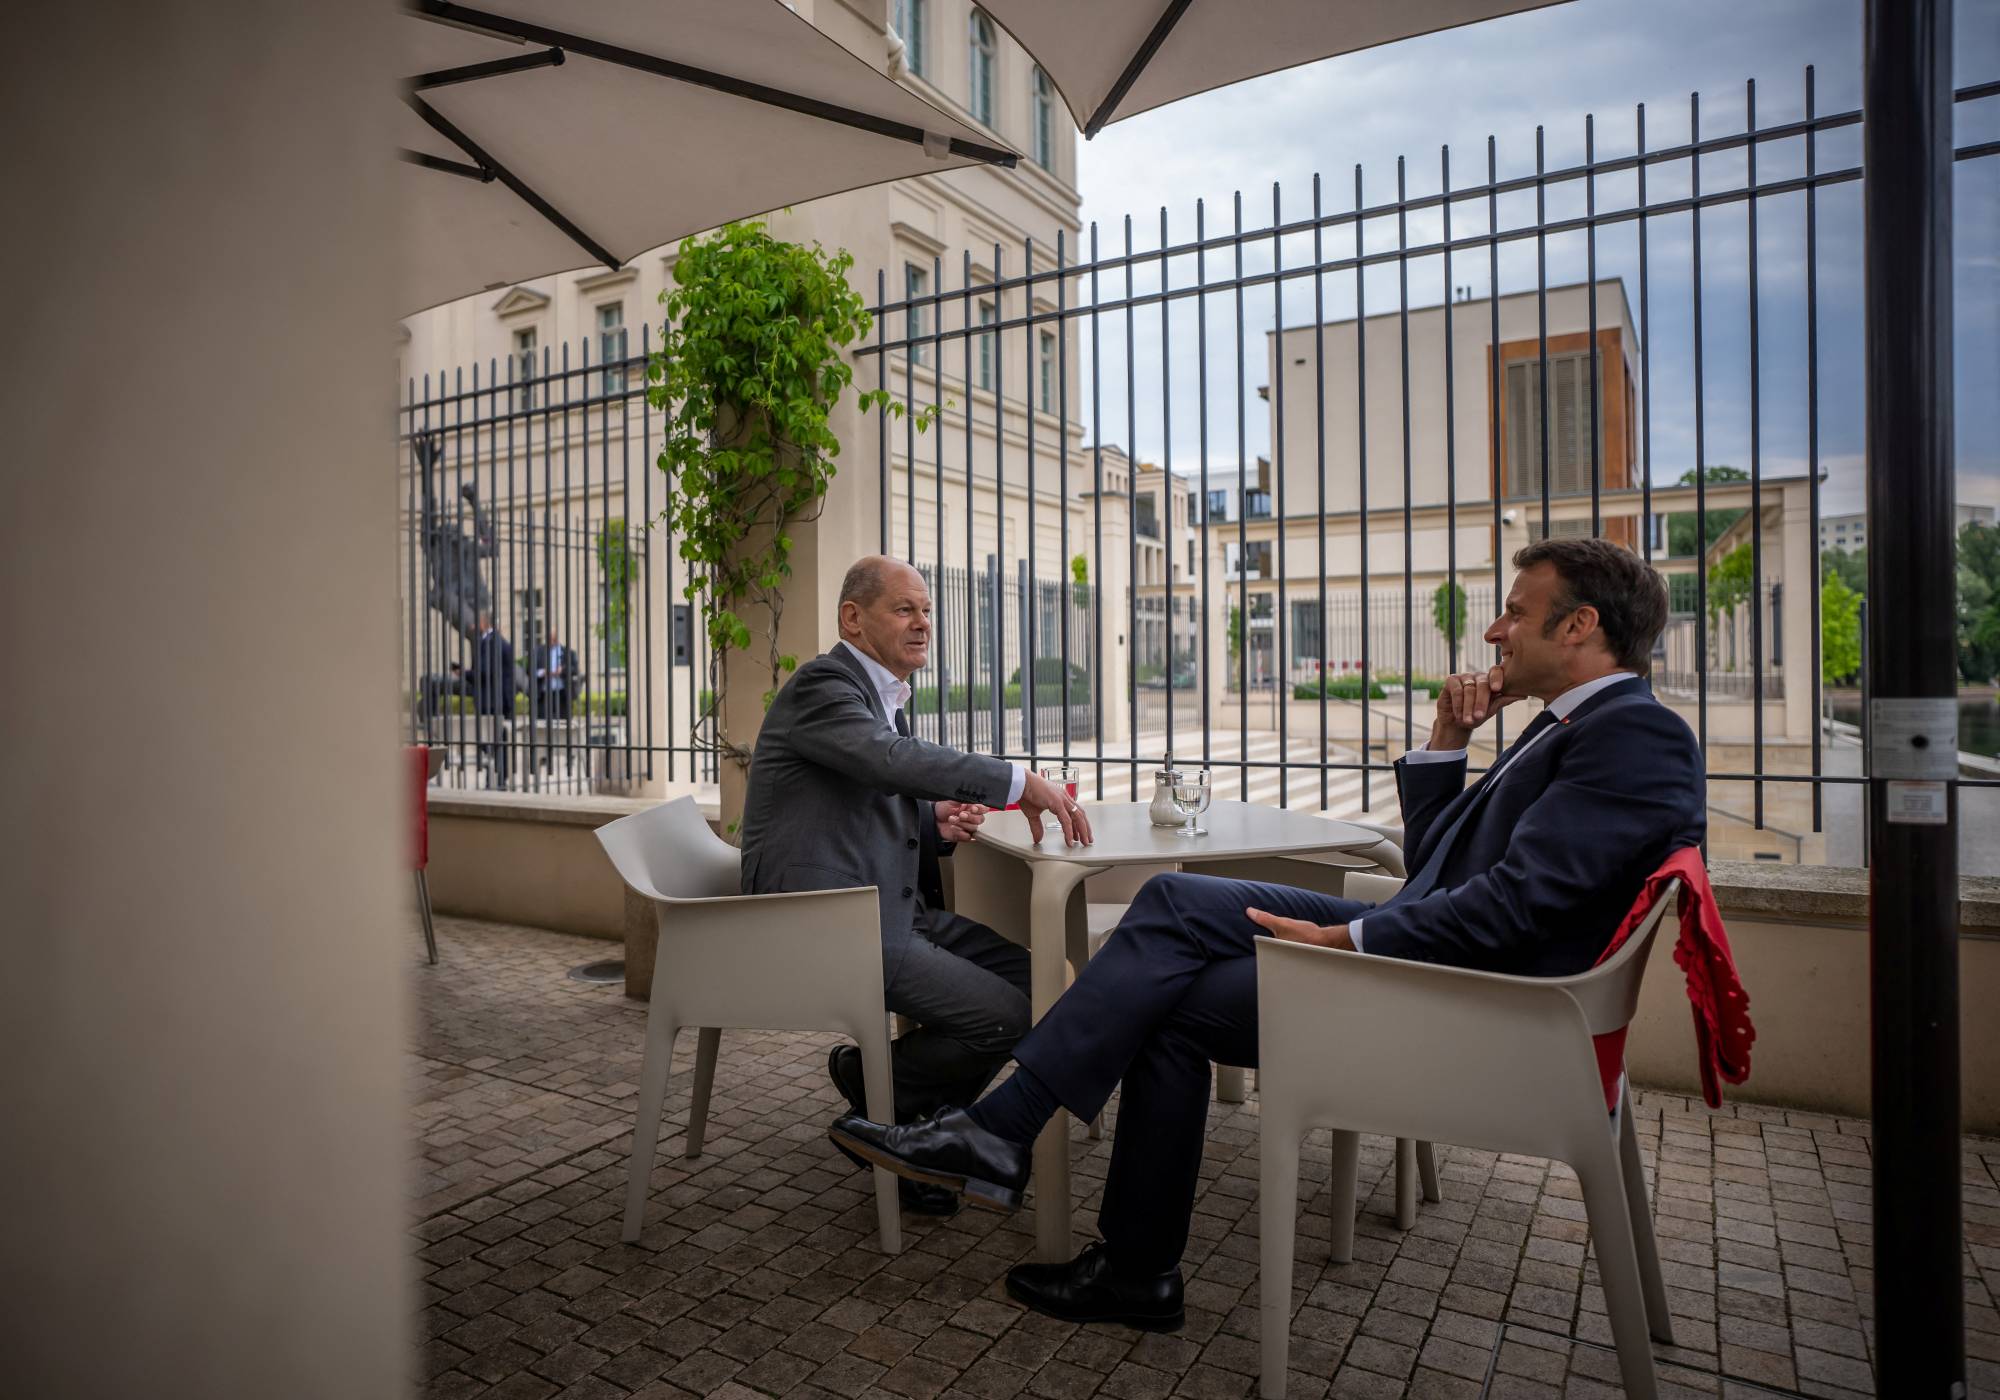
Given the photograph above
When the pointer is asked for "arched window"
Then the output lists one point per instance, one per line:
(1045, 120)
(982, 60)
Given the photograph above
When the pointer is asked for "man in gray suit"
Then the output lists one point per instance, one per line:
(842, 795)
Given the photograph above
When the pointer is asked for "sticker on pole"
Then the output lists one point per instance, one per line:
(1916, 804)
(1913, 738)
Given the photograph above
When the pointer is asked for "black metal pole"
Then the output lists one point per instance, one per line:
(1912, 801)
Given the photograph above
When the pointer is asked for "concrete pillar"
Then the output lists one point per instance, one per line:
(203, 872)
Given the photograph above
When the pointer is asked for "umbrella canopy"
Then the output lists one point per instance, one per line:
(1113, 59)
(541, 136)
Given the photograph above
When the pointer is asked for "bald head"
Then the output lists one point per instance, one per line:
(885, 611)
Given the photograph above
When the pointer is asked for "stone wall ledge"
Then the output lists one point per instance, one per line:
(554, 809)
(1830, 893)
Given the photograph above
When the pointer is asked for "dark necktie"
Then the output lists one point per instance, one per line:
(903, 723)
(1422, 882)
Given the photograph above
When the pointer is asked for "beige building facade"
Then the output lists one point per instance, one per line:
(560, 445)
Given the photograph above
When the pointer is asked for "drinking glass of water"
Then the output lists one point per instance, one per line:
(1191, 795)
(1066, 776)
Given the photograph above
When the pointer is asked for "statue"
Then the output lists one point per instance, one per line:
(456, 583)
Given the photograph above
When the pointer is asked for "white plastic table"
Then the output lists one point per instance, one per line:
(1043, 907)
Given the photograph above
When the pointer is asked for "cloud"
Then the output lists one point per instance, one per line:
(1551, 68)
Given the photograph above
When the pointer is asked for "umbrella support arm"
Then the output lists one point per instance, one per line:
(441, 124)
(445, 12)
(1169, 17)
(472, 72)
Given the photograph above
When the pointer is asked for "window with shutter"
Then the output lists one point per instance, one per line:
(1569, 455)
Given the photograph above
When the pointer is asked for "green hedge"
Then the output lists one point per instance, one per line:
(1348, 687)
(925, 700)
(594, 706)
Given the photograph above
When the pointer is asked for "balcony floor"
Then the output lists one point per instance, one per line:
(758, 1272)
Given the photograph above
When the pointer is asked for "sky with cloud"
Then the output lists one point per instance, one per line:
(1552, 68)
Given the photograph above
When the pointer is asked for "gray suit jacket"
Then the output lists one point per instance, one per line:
(837, 798)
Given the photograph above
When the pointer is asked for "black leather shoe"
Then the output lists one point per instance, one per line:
(1091, 1289)
(948, 1149)
(843, 1067)
(919, 1198)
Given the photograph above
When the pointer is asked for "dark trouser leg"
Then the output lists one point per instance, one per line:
(1163, 1115)
(1178, 927)
(967, 988)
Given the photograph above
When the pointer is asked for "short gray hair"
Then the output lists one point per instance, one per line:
(866, 579)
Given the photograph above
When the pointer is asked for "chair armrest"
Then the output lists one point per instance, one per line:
(1375, 888)
(1420, 1050)
(777, 961)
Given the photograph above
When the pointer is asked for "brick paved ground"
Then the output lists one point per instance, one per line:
(758, 1272)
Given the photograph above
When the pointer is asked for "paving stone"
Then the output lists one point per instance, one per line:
(758, 1274)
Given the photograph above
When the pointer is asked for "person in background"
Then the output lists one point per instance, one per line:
(493, 696)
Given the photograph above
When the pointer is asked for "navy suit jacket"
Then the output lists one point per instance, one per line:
(493, 674)
(1554, 845)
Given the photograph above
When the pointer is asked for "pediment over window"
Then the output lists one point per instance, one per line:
(518, 300)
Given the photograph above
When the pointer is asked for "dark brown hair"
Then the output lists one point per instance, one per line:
(1629, 595)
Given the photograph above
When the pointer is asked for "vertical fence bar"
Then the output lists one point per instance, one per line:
(1493, 390)
(1205, 685)
(997, 685)
(1812, 441)
(646, 541)
(912, 348)
(1700, 440)
(1409, 495)
(1646, 356)
(971, 482)
(1319, 462)
(881, 408)
(1280, 622)
(1097, 519)
(940, 636)
(1590, 300)
(1163, 520)
(1542, 318)
(1242, 628)
(1454, 622)
(419, 682)
(1063, 578)
(1030, 723)
(1132, 513)
(1756, 475)
(1361, 454)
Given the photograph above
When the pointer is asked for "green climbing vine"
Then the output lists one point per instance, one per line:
(748, 373)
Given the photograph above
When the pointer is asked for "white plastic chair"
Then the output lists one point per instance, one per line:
(1420, 1051)
(808, 961)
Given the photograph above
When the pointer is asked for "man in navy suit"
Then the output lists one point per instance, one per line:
(493, 693)
(1528, 871)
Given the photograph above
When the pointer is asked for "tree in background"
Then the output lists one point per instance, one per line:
(1079, 570)
(1681, 524)
(1729, 586)
(1979, 603)
(614, 561)
(1839, 630)
(1850, 564)
(1448, 611)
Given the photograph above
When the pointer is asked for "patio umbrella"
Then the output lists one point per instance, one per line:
(1113, 59)
(542, 136)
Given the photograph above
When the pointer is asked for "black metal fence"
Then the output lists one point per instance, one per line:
(976, 693)
(528, 487)
(1649, 389)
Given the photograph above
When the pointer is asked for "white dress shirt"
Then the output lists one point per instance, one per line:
(895, 694)
(1560, 707)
